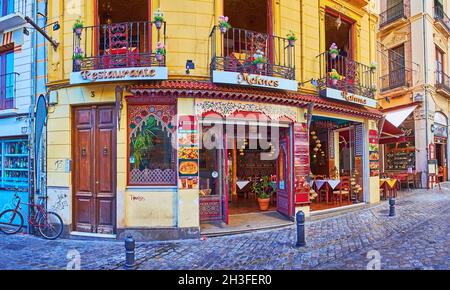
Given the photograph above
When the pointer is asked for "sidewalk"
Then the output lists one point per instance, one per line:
(421, 226)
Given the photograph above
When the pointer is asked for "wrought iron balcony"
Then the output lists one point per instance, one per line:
(443, 83)
(441, 17)
(234, 51)
(355, 78)
(13, 13)
(8, 90)
(119, 45)
(394, 13)
(400, 78)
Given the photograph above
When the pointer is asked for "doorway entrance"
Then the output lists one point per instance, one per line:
(241, 160)
(336, 162)
(94, 169)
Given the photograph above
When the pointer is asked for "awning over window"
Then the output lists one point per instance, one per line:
(391, 134)
(398, 116)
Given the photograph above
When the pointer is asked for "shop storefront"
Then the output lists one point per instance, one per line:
(440, 128)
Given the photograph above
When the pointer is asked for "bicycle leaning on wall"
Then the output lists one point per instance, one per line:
(49, 224)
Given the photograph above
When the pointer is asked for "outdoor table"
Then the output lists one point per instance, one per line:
(388, 184)
(330, 185)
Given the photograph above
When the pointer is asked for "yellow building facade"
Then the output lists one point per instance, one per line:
(413, 46)
(139, 90)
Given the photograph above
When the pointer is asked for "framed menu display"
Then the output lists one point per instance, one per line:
(188, 167)
(374, 153)
(301, 164)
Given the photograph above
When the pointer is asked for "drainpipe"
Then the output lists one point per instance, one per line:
(424, 14)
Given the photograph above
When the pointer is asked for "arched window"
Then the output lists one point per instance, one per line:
(440, 124)
(151, 153)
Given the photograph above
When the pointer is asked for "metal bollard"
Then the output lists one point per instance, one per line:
(129, 251)
(300, 217)
(391, 206)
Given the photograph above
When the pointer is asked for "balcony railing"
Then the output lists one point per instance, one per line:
(396, 79)
(440, 16)
(234, 51)
(356, 78)
(8, 90)
(13, 13)
(119, 45)
(443, 82)
(391, 14)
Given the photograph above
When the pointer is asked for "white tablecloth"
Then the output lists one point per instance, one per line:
(242, 184)
(332, 182)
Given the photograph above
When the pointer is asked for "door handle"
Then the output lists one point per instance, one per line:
(97, 182)
(105, 151)
(83, 151)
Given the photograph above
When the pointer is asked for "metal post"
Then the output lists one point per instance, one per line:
(391, 206)
(129, 252)
(300, 217)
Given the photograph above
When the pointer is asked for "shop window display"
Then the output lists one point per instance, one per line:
(151, 153)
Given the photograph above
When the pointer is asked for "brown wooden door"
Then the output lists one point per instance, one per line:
(94, 167)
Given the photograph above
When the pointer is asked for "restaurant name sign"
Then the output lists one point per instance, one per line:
(119, 74)
(236, 78)
(349, 97)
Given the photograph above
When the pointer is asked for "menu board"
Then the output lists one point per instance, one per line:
(301, 163)
(374, 153)
(188, 150)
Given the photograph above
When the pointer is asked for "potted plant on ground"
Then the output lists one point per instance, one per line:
(291, 38)
(333, 51)
(259, 59)
(263, 190)
(78, 56)
(158, 18)
(335, 77)
(160, 52)
(78, 27)
(223, 24)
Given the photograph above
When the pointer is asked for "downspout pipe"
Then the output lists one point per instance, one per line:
(424, 16)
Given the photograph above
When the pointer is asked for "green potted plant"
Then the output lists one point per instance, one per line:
(158, 18)
(78, 27)
(160, 51)
(373, 66)
(223, 24)
(144, 141)
(78, 56)
(263, 190)
(335, 77)
(333, 51)
(259, 59)
(291, 38)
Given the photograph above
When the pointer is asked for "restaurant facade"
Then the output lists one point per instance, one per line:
(159, 129)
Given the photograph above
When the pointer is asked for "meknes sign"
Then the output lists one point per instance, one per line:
(119, 74)
(235, 78)
(348, 97)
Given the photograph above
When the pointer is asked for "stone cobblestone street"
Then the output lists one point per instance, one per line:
(418, 237)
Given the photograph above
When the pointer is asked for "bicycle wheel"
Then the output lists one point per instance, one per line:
(11, 222)
(50, 226)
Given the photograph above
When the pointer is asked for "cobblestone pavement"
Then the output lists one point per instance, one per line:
(417, 238)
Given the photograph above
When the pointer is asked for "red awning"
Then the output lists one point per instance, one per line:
(391, 134)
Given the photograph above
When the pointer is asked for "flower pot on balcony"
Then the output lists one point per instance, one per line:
(78, 31)
(333, 55)
(264, 203)
(291, 42)
(158, 24)
(159, 57)
(260, 66)
(334, 82)
(223, 29)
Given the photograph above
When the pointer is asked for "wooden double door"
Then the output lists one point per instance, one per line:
(94, 169)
